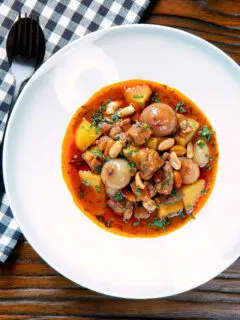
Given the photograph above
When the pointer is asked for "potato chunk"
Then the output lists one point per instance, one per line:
(188, 128)
(152, 143)
(90, 179)
(169, 209)
(130, 152)
(192, 193)
(86, 134)
(138, 95)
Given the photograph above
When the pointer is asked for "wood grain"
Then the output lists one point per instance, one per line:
(30, 289)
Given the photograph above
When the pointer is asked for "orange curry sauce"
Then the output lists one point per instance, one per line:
(91, 202)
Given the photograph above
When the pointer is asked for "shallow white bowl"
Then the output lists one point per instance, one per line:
(41, 203)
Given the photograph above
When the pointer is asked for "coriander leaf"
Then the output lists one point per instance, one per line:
(159, 223)
(179, 107)
(181, 214)
(98, 169)
(204, 191)
(206, 133)
(97, 153)
(201, 144)
(136, 223)
(208, 168)
(138, 192)
(86, 183)
(115, 117)
(118, 196)
(97, 188)
(135, 96)
(81, 193)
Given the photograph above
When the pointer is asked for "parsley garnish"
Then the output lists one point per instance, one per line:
(201, 144)
(206, 133)
(173, 193)
(81, 193)
(135, 96)
(181, 214)
(204, 191)
(138, 192)
(98, 169)
(97, 153)
(97, 188)
(125, 220)
(115, 117)
(180, 107)
(136, 223)
(97, 117)
(86, 183)
(160, 223)
(118, 196)
(155, 99)
(208, 168)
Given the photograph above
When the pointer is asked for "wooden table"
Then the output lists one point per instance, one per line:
(30, 289)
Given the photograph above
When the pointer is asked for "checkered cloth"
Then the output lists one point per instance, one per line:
(62, 21)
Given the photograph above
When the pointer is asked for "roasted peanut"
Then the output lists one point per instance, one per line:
(177, 178)
(115, 149)
(166, 144)
(138, 181)
(190, 152)
(179, 150)
(125, 112)
(174, 160)
(112, 107)
(149, 205)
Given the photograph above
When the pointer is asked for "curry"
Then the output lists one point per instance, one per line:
(140, 158)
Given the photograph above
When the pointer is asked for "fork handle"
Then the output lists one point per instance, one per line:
(18, 88)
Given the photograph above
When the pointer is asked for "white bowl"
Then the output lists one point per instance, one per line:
(41, 203)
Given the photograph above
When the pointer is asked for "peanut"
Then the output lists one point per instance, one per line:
(177, 179)
(166, 144)
(115, 149)
(138, 181)
(179, 150)
(125, 112)
(190, 152)
(112, 107)
(149, 205)
(174, 160)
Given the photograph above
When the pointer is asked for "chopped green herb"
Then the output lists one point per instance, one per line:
(179, 107)
(201, 144)
(115, 117)
(191, 215)
(125, 220)
(139, 204)
(97, 153)
(173, 193)
(118, 196)
(138, 192)
(208, 168)
(204, 191)
(81, 193)
(86, 183)
(97, 188)
(136, 223)
(160, 223)
(135, 96)
(155, 99)
(206, 133)
(98, 169)
(181, 214)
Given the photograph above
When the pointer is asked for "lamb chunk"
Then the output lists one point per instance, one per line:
(139, 133)
(148, 161)
(91, 160)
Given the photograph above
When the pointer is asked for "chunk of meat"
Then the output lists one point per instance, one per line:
(121, 207)
(140, 195)
(140, 212)
(139, 133)
(124, 124)
(151, 188)
(104, 144)
(148, 161)
(91, 160)
(165, 187)
(115, 131)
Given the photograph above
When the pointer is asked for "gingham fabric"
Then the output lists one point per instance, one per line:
(62, 21)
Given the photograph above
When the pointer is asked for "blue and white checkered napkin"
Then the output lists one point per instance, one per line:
(62, 21)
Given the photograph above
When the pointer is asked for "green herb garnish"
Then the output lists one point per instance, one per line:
(201, 144)
(179, 107)
(206, 133)
(81, 193)
(138, 192)
(115, 117)
(136, 223)
(160, 223)
(135, 96)
(98, 169)
(97, 153)
(204, 191)
(118, 196)
(208, 168)
(97, 188)
(181, 214)
(86, 183)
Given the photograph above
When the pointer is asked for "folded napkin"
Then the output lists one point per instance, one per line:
(62, 21)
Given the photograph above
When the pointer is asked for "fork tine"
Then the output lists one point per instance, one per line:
(37, 37)
(19, 31)
(30, 46)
